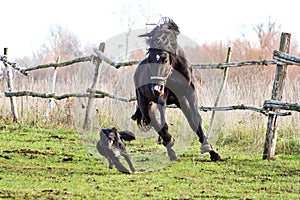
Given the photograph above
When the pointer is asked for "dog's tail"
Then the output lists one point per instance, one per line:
(127, 135)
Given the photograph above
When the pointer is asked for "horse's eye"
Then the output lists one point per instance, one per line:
(164, 57)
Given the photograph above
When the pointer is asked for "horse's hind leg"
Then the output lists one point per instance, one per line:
(189, 107)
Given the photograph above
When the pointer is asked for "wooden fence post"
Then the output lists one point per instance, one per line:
(89, 108)
(225, 75)
(279, 81)
(52, 88)
(9, 76)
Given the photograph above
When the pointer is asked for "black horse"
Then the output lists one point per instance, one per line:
(164, 78)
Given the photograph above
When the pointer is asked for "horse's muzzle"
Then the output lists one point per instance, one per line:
(157, 90)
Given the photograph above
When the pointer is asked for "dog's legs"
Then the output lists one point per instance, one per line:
(104, 153)
(119, 165)
(110, 163)
(128, 160)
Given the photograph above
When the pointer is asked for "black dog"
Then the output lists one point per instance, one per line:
(111, 145)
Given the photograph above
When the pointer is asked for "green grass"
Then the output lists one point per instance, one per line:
(58, 166)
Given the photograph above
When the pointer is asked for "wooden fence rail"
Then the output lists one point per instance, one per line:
(101, 94)
(268, 104)
(270, 107)
(285, 58)
(25, 70)
(47, 95)
(279, 56)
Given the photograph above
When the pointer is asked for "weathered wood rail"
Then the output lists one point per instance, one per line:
(281, 105)
(47, 95)
(25, 70)
(270, 108)
(102, 94)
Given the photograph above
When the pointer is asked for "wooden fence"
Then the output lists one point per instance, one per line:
(271, 107)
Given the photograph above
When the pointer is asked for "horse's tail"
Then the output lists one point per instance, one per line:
(140, 120)
(137, 116)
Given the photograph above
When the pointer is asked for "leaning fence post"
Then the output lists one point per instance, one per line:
(9, 79)
(225, 75)
(52, 88)
(89, 108)
(279, 81)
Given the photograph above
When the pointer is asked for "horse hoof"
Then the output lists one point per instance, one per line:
(171, 154)
(214, 156)
(206, 148)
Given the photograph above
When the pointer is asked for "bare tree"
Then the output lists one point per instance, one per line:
(133, 11)
(63, 43)
(268, 36)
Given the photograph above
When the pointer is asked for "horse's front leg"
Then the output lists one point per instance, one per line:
(157, 115)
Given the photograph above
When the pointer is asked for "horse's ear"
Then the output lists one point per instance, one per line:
(145, 35)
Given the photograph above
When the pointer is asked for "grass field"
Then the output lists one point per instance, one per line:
(44, 163)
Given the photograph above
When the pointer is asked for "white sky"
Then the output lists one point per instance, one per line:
(25, 23)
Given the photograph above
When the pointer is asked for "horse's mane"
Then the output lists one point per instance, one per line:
(181, 65)
(164, 37)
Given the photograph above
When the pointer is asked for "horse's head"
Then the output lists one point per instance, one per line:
(160, 67)
(163, 47)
